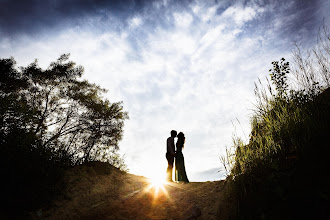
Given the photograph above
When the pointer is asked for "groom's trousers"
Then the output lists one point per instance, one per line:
(170, 161)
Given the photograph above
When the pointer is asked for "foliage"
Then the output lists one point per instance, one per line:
(51, 119)
(60, 111)
(289, 132)
(285, 117)
(279, 78)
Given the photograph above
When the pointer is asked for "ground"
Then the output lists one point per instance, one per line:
(100, 191)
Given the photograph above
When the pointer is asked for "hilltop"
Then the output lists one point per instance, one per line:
(98, 190)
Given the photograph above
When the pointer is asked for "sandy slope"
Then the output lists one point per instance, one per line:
(99, 191)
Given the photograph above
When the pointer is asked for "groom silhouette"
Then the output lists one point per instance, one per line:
(170, 154)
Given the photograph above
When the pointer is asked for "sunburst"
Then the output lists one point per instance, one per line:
(157, 185)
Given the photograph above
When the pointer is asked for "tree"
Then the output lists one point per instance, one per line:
(60, 111)
(51, 119)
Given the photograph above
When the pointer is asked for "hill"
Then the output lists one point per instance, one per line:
(293, 186)
(100, 191)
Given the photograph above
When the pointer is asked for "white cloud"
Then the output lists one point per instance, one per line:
(196, 9)
(135, 22)
(159, 4)
(241, 14)
(183, 20)
(209, 14)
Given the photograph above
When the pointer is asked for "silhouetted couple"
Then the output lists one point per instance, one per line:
(171, 154)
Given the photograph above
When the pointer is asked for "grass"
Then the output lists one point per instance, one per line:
(283, 167)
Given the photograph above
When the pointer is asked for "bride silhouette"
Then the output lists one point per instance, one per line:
(180, 170)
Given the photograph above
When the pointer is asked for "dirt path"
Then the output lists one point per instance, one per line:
(172, 200)
(126, 196)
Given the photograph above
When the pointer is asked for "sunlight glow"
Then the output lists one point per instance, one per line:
(157, 182)
(156, 186)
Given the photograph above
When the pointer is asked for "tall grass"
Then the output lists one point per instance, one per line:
(284, 165)
(285, 113)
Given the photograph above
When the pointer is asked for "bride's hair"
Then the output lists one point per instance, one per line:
(181, 137)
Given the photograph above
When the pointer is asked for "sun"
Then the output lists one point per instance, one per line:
(157, 187)
(157, 182)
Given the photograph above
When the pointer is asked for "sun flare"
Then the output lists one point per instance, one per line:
(157, 182)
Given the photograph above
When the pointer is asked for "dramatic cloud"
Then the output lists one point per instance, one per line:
(184, 65)
(28, 16)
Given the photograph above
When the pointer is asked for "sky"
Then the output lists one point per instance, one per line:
(183, 65)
